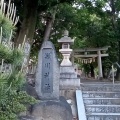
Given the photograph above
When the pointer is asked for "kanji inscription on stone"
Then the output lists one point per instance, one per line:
(47, 70)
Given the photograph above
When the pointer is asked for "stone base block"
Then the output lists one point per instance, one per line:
(69, 83)
(68, 78)
(52, 110)
(67, 69)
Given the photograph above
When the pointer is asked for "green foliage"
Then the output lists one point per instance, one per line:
(90, 22)
(5, 53)
(14, 56)
(13, 100)
(7, 26)
(91, 25)
(12, 103)
(17, 57)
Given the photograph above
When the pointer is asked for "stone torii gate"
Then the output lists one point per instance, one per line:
(78, 53)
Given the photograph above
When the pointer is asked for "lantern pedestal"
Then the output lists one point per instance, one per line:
(66, 55)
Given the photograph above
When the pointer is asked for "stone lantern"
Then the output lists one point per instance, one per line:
(68, 80)
(66, 51)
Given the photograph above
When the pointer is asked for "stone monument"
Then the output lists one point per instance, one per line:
(51, 106)
(47, 74)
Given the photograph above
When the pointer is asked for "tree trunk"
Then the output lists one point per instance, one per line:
(113, 16)
(48, 29)
(103, 69)
(49, 25)
(27, 28)
(29, 22)
(92, 70)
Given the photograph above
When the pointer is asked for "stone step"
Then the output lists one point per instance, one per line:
(101, 98)
(100, 83)
(102, 101)
(103, 105)
(102, 108)
(99, 92)
(103, 116)
(94, 94)
(97, 87)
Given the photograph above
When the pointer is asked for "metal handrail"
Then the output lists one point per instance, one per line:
(116, 63)
(113, 74)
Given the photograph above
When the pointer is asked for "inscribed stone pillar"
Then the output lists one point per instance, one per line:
(47, 74)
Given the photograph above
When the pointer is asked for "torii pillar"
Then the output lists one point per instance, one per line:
(99, 65)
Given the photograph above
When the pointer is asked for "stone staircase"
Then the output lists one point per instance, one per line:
(101, 101)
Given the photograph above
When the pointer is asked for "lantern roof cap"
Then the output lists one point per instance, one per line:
(65, 38)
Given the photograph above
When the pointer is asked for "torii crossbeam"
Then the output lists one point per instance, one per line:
(78, 53)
